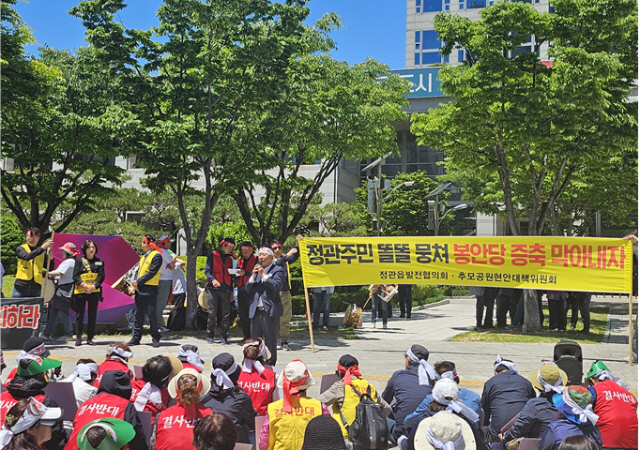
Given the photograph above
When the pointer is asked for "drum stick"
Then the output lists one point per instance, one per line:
(46, 274)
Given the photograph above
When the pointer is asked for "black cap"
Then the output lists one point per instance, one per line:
(420, 351)
(347, 361)
(323, 433)
(33, 343)
(225, 361)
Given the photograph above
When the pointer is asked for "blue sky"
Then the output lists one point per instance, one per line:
(373, 28)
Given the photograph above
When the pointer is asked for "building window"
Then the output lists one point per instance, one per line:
(418, 4)
(431, 58)
(430, 40)
(475, 4)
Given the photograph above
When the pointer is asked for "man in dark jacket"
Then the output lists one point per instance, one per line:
(408, 387)
(265, 309)
(146, 285)
(576, 418)
(539, 412)
(112, 400)
(503, 396)
(227, 398)
(30, 380)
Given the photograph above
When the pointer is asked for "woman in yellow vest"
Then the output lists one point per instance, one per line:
(31, 261)
(342, 398)
(287, 418)
(88, 275)
(146, 285)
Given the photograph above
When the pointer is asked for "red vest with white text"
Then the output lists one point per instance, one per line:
(102, 406)
(7, 401)
(259, 387)
(617, 421)
(174, 427)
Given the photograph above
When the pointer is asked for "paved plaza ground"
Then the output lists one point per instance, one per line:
(381, 352)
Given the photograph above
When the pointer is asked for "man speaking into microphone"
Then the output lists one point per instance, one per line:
(266, 308)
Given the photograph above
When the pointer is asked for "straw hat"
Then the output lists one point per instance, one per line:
(445, 427)
(204, 385)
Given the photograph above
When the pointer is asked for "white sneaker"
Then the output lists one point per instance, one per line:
(285, 347)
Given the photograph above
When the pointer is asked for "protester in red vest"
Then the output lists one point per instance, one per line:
(173, 427)
(257, 379)
(29, 425)
(615, 406)
(246, 263)
(220, 289)
(118, 354)
(112, 401)
(32, 376)
(151, 392)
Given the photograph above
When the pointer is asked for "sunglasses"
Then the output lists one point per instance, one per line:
(275, 247)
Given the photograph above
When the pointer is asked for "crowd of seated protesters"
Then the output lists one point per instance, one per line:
(424, 405)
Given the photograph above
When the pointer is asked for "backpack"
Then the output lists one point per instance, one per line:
(369, 430)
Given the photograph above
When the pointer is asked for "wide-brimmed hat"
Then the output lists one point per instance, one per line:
(176, 365)
(30, 365)
(444, 427)
(298, 375)
(118, 434)
(550, 373)
(204, 385)
(323, 433)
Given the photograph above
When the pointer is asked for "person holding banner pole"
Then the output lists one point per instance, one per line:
(285, 294)
(31, 261)
(377, 304)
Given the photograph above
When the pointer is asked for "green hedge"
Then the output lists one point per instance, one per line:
(200, 263)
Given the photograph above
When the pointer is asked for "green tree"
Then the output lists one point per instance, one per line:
(330, 111)
(196, 82)
(12, 237)
(520, 131)
(59, 127)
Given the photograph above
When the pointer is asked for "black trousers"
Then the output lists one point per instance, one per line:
(89, 302)
(146, 304)
(557, 315)
(219, 310)
(267, 328)
(404, 294)
(244, 300)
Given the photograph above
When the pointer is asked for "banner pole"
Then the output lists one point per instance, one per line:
(306, 300)
(631, 328)
(46, 274)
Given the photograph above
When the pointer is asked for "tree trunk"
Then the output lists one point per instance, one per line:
(192, 291)
(531, 312)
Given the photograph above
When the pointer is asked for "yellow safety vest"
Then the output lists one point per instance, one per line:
(145, 264)
(30, 269)
(349, 403)
(87, 278)
(286, 430)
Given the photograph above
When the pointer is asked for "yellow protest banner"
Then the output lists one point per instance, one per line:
(525, 262)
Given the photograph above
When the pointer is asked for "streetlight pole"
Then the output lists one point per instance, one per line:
(455, 208)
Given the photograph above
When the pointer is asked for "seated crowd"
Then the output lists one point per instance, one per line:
(423, 404)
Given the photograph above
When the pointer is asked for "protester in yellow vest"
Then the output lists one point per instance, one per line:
(88, 274)
(341, 396)
(146, 285)
(287, 418)
(31, 261)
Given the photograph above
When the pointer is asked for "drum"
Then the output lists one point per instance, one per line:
(124, 285)
(352, 316)
(49, 290)
(203, 301)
